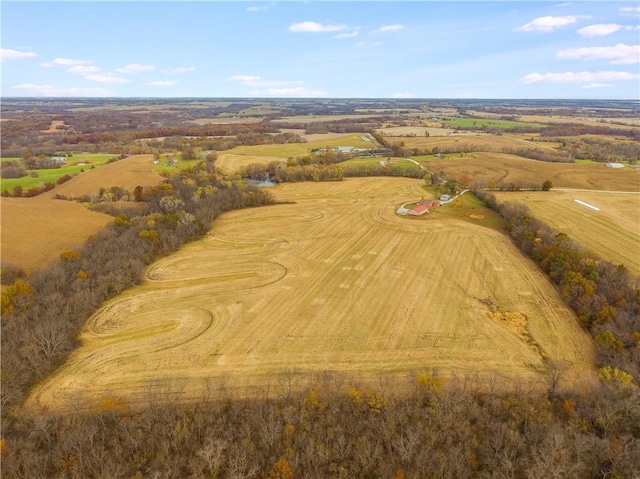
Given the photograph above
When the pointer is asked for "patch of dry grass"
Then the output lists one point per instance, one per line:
(36, 230)
(612, 233)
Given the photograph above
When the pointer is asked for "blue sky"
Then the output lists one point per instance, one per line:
(382, 49)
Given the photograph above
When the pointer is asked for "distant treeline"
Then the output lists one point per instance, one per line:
(207, 137)
(604, 297)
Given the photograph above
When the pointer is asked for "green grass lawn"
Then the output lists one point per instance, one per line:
(469, 123)
(75, 164)
(471, 205)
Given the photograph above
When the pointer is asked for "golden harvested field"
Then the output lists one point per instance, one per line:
(36, 230)
(127, 173)
(608, 122)
(474, 142)
(231, 163)
(513, 168)
(612, 233)
(336, 282)
(314, 136)
(419, 131)
(358, 140)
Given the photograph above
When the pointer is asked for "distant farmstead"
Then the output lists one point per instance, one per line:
(58, 160)
(346, 149)
(419, 210)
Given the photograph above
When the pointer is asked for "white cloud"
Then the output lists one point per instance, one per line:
(31, 89)
(135, 68)
(162, 83)
(260, 8)
(578, 77)
(244, 78)
(402, 95)
(633, 11)
(390, 28)
(66, 62)
(181, 70)
(366, 44)
(106, 78)
(599, 30)
(597, 85)
(315, 27)
(84, 70)
(7, 54)
(299, 92)
(548, 24)
(352, 34)
(617, 54)
(256, 81)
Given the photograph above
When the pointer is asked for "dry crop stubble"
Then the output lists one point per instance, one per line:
(36, 230)
(516, 169)
(335, 282)
(613, 232)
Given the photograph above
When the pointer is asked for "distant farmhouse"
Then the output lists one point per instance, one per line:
(58, 160)
(419, 210)
(346, 149)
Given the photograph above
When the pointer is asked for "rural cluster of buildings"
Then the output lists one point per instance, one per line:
(422, 207)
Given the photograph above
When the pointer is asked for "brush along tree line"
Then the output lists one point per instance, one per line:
(605, 297)
(464, 427)
(42, 315)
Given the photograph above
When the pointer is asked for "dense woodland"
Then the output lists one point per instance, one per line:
(423, 425)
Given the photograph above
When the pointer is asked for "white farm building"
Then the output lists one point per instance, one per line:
(615, 165)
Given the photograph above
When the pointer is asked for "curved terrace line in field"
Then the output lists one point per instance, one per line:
(335, 282)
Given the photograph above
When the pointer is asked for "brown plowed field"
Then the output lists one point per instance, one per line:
(335, 282)
(36, 230)
(613, 233)
(512, 168)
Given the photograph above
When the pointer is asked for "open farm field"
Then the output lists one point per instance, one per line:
(335, 282)
(126, 173)
(609, 122)
(226, 121)
(474, 142)
(302, 149)
(322, 118)
(231, 163)
(314, 136)
(420, 131)
(512, 168)
(486, 122)
(613, 232)
(36, 230)
(75, 164)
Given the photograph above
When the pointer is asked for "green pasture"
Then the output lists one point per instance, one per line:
(471, 123)
(302, 149)
(51, 175)
(471, 205)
